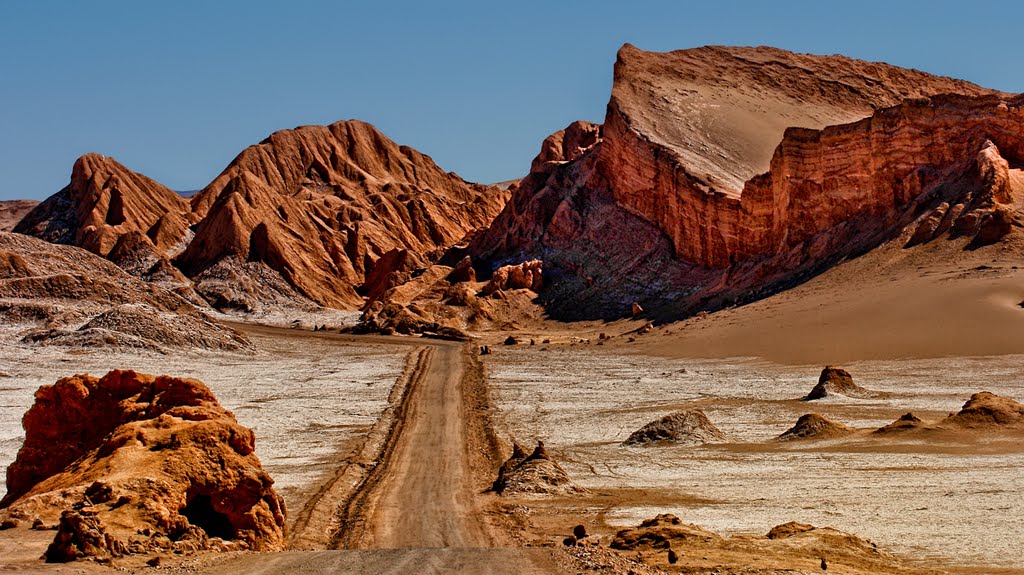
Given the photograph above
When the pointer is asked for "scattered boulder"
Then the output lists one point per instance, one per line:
(462, 272)
(579, 532)
(673, 558)
(836, 381)
(511, 340)
(906, 422)
(815, 426)
(131, 453)
(689, 427)
(82, 535)
(637, 310)
(535, 473)
(527, 275)
(661, 533)
(987, 410)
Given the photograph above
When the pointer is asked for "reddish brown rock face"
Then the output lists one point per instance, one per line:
(316, 206)
(142, 454)
(527, 275)
(719, 176)
(321, 204)
(105, 201)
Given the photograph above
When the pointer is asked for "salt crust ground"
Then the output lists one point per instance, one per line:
(956, 503)
(304, 398)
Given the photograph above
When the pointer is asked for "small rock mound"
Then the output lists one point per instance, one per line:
(533, 473)
(527, 275)
(987, 410)
(689, 427)
(906, 422)
(815, 426)
(131, 463)
(662, 532)
(836, 381)
(789, 529)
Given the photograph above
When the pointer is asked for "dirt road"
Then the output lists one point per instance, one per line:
(417, 509)
(423, 494)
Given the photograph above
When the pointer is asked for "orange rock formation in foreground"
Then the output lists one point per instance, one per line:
(133, 463)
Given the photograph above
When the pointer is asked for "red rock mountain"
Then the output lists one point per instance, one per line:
(303, 215)
(321, 204)
(105, 201)
(723, 174)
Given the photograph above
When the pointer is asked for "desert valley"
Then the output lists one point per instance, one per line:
(764, 318)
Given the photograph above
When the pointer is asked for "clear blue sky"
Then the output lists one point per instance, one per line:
(176, 89)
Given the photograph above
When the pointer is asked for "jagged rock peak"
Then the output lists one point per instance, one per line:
(321, 204)
(105, 200)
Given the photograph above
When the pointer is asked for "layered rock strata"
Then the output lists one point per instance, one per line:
(723, 174)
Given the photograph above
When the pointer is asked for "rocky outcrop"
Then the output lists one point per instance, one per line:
(105, 201)
(789, 529)
(321, 204)
(662, 532)
(436, 302)
(724, 174)
(905, 422)
(787, 547)
(533, 473)
(11, 212)
(63, 295)
(132, 463)
(527, 275)
(689, 427)
(983, 412)
(986, 410)
(836, 381)
(462, 272)
(815, 426)
(391, 270)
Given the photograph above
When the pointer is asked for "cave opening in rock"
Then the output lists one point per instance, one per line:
(200, 512)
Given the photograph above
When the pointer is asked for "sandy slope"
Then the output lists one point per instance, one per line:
(931, 301)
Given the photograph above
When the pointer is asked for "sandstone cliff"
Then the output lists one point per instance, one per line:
(718, 176)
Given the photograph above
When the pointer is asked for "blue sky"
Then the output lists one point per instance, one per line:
(176, 89)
